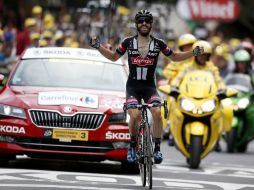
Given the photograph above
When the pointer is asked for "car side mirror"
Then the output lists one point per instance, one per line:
(165, 89)
(1, 78)
(231, 92)
(226, 93)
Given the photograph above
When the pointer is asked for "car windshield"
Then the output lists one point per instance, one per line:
(239, 81)
(70, 73)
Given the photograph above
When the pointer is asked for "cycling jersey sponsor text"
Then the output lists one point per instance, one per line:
(142, 61)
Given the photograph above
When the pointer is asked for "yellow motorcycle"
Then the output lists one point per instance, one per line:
(198, 115)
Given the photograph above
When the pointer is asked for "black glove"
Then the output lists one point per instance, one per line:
(95, 42)
(174, 91)
(198, 51)
(221, 94)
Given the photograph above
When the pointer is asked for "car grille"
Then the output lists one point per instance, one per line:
(53, 119)
(55, 144)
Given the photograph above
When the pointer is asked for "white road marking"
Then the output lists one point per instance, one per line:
(209, 170)
(177, 184)
(81, 180)
(50, 176)
(225, 186)
(58, 186)
(97, 179)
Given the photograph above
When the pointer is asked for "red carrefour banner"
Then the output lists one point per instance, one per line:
(220, 10)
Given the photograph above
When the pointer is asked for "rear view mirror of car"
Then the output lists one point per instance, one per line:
(165, 89)
(1, 78)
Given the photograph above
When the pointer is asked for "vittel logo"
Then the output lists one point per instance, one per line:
(220, 10)
(12, 129)
(119, 136)
(225, 10)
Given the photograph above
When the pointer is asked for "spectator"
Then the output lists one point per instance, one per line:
(23, 37)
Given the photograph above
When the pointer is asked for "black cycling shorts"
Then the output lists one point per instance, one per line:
(137, 90)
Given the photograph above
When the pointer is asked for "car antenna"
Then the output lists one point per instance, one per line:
(40, 30)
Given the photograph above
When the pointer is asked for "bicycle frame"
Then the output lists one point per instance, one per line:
(145, 149)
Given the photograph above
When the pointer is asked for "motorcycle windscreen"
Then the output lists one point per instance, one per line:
(198, 84)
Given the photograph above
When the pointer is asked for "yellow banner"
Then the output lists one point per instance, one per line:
(70, 134)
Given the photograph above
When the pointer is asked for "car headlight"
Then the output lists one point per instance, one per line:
(119, 118)
(208, 106)
(187, 105)
(243, 103)
(227, 102)
(12, 111)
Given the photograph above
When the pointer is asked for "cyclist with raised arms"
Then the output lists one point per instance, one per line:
(143, 50)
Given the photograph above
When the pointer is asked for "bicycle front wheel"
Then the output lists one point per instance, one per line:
(149, 157)
(141, 155)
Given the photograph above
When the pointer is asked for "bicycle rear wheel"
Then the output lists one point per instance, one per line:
(149, 157)
(141, 156)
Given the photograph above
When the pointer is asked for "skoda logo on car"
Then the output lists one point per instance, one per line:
(67, 109)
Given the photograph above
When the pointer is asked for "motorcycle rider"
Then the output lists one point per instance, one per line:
(221, 58)
(201, 62)
(143, 51)
(248, 46)
(243, 64)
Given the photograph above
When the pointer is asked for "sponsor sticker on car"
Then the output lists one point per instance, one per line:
(70, 98)
(118, 136)
(70, 134)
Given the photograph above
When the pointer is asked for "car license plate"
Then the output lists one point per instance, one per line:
(70, 134)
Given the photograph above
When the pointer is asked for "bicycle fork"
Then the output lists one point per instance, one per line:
(141, 144)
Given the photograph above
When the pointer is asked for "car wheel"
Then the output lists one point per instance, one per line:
(243, 147)
(4, 159)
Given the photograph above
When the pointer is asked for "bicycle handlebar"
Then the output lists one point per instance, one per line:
(144, 105)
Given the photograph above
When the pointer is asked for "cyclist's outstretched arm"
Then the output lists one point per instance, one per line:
(180, 56)
(113, 56)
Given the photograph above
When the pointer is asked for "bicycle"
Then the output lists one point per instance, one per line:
(145, 142)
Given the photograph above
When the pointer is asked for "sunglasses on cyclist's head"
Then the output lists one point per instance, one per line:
(141, 20)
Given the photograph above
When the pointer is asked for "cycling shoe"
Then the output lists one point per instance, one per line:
(131, 155)
(157, 157)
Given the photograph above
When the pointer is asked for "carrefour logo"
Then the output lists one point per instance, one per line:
(89, 100)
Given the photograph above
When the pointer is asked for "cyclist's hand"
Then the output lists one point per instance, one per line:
(95, 42)
(221, 94)
(198, 51)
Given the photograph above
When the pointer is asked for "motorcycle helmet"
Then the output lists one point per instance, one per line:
(186, 39)
(222, 51)
(207, 50)
(143, 13)
(215, 40)
(201, 43)
(246, 45)
(242, 56)
(37, 9)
